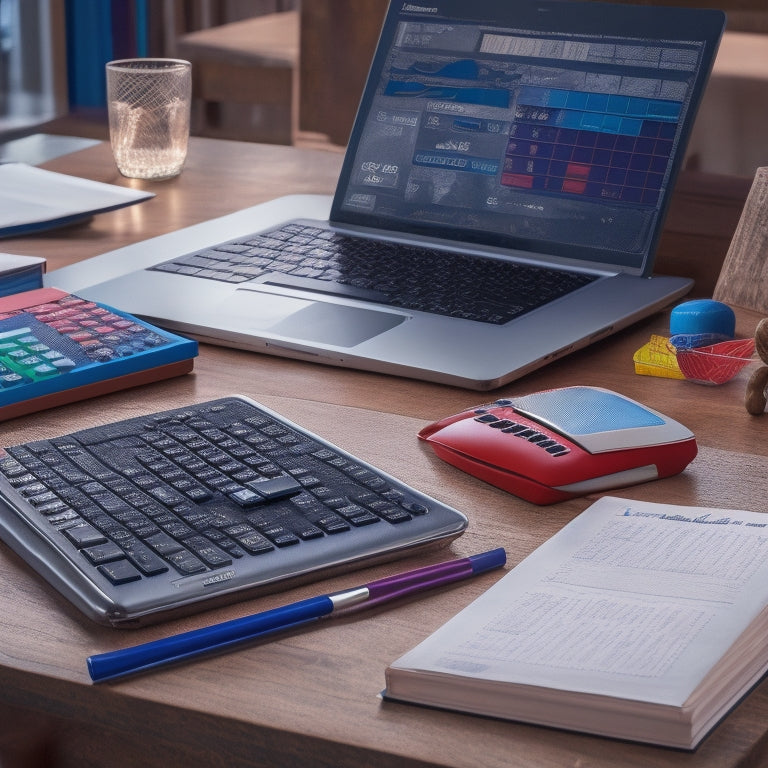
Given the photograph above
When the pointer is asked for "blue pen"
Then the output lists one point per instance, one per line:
(219, 637)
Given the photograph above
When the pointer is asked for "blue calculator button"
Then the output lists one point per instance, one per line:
(102, 354)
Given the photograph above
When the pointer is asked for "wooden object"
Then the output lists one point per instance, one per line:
(311, 698)
(743, 280)
(337, 42)
(243, 77)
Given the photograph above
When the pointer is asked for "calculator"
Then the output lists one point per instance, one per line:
(56, 347)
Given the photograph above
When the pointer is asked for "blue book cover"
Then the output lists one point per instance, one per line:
(20, 273)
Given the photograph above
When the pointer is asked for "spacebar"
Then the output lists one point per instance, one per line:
(324, 286)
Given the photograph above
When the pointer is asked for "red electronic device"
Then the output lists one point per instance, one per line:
(553, 445)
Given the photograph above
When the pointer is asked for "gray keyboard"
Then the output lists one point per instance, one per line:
(140, 519)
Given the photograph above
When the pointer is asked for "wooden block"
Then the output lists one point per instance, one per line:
(271, 40)
(743, 280)
(243, 76)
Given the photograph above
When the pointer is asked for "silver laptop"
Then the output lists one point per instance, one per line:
(500, 145)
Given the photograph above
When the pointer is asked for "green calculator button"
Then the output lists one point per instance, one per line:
(14, 333)
(12, 379)
(30, 361)
(44, 370)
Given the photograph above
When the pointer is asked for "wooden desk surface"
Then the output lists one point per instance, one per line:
(311, 698)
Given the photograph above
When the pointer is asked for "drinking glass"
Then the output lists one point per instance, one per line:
(148, 101)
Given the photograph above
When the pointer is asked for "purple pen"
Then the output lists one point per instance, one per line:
(220, 637)
(402, 584)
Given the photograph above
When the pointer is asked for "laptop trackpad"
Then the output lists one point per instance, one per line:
(316, 321)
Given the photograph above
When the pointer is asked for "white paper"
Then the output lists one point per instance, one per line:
(13, 262)
(631, 600)
(31, 195)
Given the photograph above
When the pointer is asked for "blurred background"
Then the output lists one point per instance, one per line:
(291, 71)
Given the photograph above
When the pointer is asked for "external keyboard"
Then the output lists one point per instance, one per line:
(141, 518)
(417, 278)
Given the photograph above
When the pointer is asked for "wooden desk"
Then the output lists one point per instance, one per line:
(311, 698)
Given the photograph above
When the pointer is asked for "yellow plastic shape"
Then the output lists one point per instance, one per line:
(657, 358)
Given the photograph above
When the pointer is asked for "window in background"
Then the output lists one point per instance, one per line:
(32, 52)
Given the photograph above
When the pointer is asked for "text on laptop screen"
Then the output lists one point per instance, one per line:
(562, 143)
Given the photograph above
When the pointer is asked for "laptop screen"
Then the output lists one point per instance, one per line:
(550, 127)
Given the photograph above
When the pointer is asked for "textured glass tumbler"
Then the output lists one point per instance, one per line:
(148, 102)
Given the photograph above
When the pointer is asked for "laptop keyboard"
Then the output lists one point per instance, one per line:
(223, 493)
(415, 278)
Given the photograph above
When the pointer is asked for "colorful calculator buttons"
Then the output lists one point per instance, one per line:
(24, 358)
(59, 336)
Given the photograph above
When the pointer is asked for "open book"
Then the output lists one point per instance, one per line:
(638, 621)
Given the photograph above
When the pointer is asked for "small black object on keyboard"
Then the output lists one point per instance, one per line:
(163, 511)
(418, 278)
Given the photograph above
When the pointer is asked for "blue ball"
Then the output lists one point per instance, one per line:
(703, 316)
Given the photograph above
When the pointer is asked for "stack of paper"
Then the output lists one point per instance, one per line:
(20, 273)
(33, 199)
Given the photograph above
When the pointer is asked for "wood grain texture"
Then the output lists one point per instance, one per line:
(311, 698)
(743, 280)
(337, 42)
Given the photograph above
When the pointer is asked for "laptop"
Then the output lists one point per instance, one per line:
(496, 141)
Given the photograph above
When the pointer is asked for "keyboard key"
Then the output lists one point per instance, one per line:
(210, 554)
(276, 487)
(163, 544)
(119, 572)
(186, 563)
(84, 535)
(143, 557)
(104, 553)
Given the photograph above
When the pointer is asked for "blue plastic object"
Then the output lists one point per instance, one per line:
(703, 316)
